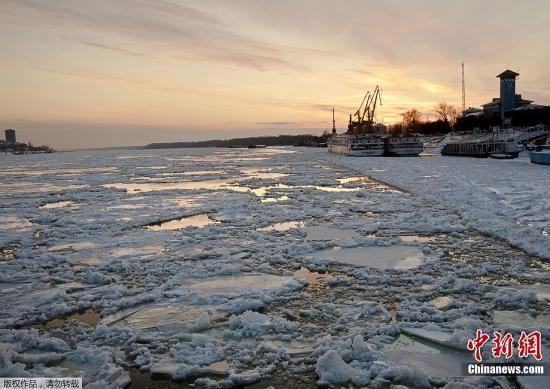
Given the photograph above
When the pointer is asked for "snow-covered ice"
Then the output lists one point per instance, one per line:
(283, 267)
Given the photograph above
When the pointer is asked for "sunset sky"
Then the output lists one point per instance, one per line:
(77, 73)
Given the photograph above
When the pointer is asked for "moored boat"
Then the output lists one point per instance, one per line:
(491, 148)
(356, 145)
(366, 138)
(541, 155)
(403, 146)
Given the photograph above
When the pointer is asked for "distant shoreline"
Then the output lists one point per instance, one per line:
(280, 140)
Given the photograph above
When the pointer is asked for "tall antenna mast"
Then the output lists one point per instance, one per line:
(463, 90)
(333, 122)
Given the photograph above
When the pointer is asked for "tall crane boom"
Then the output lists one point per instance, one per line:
(377, 97)
(365, 113)
(358, 113)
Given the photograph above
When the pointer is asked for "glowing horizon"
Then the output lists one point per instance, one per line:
(110, 73)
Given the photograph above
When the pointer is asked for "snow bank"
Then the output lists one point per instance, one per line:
(507, 199)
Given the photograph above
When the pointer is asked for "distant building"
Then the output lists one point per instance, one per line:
(10, 137)
(508, 99)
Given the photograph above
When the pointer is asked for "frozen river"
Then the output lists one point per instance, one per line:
(265, 267)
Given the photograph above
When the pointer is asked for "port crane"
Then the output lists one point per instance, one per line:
(365, 119)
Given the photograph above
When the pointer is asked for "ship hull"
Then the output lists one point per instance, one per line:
(345, 150)
(403, 146)
(540, 158)
(508, 150)
(408, 152)
(356, 146)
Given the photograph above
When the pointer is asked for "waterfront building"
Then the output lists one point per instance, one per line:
(10, 137)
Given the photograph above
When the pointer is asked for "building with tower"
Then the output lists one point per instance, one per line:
(508, 99)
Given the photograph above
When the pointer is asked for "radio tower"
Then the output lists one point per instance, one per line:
(333, 122)
(463, 90)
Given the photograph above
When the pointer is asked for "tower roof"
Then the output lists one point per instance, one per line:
(508, 74)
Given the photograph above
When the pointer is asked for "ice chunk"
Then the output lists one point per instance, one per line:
(239, 284)
(440, 337)
(523, 320)
(442, 302)
(164, 316)
(380, 257)
(332, 370)
(428, 357)
(326, 233)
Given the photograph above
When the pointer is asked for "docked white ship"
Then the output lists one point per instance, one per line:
(403, 146)
(366, 139)
(356, 146)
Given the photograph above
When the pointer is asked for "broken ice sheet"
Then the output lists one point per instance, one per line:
(162, 316)
(72, 246)
(431, 358)
(521, 320)
(239, 284)
(325, 233)
(381, 257)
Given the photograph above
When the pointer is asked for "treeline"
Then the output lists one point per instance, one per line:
(280, 140)
(25, 148)
(447, 116)
(448, 119)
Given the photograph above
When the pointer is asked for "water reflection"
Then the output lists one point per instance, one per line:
(14, 223)
(58, 204)
(274, 199)
(198, 221)
(419, 238)
(151, 187)
(264, 174)
(312, 278)
(88, 316)
(284, 226)
(72, 246)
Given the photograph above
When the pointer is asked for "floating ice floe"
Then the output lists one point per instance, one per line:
(521, 320)
(235, 285)
(442, 302)
(327, 233)
(73, 246)
(143, 251)
(164, 316)
(418, 238)
(332, 370)
(431, 358)
(381, 257)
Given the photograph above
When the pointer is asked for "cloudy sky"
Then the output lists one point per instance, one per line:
(77, 73)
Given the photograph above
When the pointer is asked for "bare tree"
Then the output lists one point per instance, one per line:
(447, 112)
(411, 117)
(453, 115)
